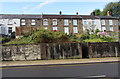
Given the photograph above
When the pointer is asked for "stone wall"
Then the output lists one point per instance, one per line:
(104, 49)
(41, 51)
(21, 52)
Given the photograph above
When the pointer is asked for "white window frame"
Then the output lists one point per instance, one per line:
(93, 22)
(84, 22)
(66, 30)
(74, 22)
(110, 22)
(75, 29)
(45, 21)
(10, 29)
(54, 21)
(55, 28)
(23, 22)
(102, 22)
(66, 23)
(111, 28)
(33, 22)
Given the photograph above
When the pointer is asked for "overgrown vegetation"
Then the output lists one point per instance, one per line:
(46, 36)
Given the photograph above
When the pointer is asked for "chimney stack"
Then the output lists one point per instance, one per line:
(60, 12)
(76, 13)
(108, 13)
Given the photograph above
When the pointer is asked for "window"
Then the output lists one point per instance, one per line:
(74, 22)
(66, 30)
(54, 21)
(84, 22)
(10, 21)
(23, 22)
(75, 29)
(103, 29)
(45, 21)
(33, 22)
(55, 28)
(102, 22)
(111, 28)
(66, 22)
(93, 22)
(9, 30)
(46, 28)
(110, 22)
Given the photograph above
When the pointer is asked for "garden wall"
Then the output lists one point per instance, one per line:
(41, 51)
(104, 49)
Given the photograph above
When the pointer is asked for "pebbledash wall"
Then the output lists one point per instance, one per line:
(60, 51)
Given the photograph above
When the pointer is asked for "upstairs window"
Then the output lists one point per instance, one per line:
(10, 21)
(110, 22)
(23, 22)
(54, 21)
(102, 22)
(74, 22)
(93, 22)
(66, 22)
(45, 21)
(33, 22)
(84, 22)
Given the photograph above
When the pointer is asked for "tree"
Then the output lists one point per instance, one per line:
(96, 12)
(113, 7)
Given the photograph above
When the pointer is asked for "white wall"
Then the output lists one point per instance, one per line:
(97, 23)
(15, 23)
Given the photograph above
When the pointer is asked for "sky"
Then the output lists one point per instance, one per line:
(51, 7)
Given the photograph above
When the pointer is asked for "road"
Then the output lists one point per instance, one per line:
(77, 70)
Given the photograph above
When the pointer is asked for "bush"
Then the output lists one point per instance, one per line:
(84, 36)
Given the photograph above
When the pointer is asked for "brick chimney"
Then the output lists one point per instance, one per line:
(108, 13)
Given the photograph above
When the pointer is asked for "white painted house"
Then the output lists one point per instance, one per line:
(90, 23)
(8, 24)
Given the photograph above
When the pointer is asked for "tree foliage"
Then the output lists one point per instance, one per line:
(113, 7)
(96, 12)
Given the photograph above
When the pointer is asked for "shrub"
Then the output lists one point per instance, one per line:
(84, 36)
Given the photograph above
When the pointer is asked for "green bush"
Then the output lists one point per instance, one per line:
(84, 36)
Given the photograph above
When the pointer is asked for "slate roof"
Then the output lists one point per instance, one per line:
(63, 16)
(106, 17)
(18, 16)
(88, 17)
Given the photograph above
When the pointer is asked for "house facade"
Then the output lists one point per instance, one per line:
(8, 24)
(69, 24)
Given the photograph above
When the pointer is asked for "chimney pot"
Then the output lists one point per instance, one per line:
(108, 13)
(60, 12)
(76, 13)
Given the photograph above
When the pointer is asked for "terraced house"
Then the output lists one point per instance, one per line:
(70, 24)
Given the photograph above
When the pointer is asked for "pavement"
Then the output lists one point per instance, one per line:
(58, 62)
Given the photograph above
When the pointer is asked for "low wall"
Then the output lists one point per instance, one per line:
(41, 51)
(104, 49)
(60, 51)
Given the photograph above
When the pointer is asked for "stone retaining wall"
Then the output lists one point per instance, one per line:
(104, 49)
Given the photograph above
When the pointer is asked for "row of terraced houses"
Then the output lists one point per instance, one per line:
(70, 24)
